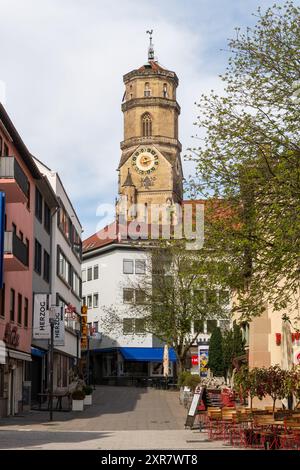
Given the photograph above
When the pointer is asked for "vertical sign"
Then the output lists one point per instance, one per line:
(2, 229)
(84, 327)
(59, 327)
(41, 325)
(203, 361)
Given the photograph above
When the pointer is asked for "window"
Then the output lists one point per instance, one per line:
(64, 268)
(27, 247)
(76, 284)
(12, 305)
(37, 257)
(47, 218)
(76, 243)
(89, 301)
(128, 295)
(64, 222)
(128, 326)
(198, 326)
(20, 309)
(83, 275)
(38, 205)
(96, 271)
(46, 273)
(139, 325)
(140, 266)
(83, 300)
(90, 274)
(146, 125)
(165, 91)
(2, 301)
(140, 296)
(96, 300)
(26, 312)
(211, 325)
(5, 150)
(133, 325)
(96, 326)
(147, 91)
(127, 266)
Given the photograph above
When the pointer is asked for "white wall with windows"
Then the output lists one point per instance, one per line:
(109, 278)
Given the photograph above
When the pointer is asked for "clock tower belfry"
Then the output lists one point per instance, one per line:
(151, 149)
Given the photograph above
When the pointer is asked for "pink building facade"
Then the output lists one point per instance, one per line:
(18, 173)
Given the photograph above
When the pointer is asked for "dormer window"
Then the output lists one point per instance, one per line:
(147, 91)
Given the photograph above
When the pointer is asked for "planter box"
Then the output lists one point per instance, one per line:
(77, 405)
(87, 400)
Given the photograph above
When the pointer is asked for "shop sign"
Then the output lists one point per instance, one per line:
(59, 327)
(11, 336)
(84, 329)
(195, 360)
(41, 325)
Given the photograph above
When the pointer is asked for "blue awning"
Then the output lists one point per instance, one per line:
(147, 354)
(37, 352)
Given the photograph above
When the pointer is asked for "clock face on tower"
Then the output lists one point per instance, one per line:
(145, 161)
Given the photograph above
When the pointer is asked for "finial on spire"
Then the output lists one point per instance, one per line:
(151, 48)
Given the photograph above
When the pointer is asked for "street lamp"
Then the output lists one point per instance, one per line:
(52, 317)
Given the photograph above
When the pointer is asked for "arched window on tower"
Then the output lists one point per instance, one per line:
(146, 125)
(147, 90)
(165, 91)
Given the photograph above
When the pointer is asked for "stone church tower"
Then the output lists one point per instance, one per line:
(150, 170)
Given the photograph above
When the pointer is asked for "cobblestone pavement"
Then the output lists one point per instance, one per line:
(120, 418)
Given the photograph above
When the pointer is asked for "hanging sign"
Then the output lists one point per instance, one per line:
(59, 327)
(41, 325)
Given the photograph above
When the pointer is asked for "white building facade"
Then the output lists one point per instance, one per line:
(65, 277)
(110, 275)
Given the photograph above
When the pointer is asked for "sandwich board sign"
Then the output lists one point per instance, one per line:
(193, 407)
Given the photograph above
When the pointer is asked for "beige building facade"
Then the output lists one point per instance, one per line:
(150, 170)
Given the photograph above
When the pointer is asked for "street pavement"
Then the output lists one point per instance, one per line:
(120, 418)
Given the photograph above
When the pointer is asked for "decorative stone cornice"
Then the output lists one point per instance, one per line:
(150, 73)
(150, 101)
(158, 140)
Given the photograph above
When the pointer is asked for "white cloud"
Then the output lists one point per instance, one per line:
(63, 63)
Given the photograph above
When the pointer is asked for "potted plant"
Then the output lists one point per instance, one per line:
(88, 390)
(77, 400)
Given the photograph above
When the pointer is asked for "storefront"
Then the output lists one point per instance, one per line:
(15, 383)
(125, 363)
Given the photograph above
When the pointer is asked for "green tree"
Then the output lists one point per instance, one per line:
(171, 300)
(215, 353)
(249, 157)
(233, 346)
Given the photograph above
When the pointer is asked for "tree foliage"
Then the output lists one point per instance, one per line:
(179, 292)
(215, 355)
(250, 158)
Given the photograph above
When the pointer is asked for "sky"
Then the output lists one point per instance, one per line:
(61, 69)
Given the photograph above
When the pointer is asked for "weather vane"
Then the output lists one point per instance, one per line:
(150, 49)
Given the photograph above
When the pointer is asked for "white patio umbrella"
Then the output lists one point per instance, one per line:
(166, 361)
(286, 349)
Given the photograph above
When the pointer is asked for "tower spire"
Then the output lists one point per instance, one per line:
(151, 47)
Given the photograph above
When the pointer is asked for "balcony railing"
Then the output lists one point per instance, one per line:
(10, 169)
(13, 245)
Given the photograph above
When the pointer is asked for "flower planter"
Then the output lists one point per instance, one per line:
(77, 405)
(87, 400)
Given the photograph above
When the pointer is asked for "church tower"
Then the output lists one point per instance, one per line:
(150, 170)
